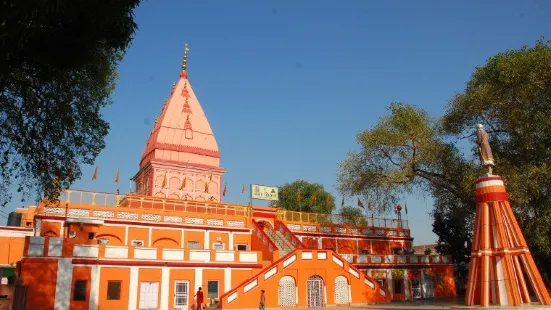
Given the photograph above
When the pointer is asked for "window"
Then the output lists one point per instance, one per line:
(137, 242)
(365, 252)
(242, 247)
(113, 290)
(397, 286)
(212, 289)
(79, 290)
(193, 245)
(397, 251)
(218, 246)
(91, 235)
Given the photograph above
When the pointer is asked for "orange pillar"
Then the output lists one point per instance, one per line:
(501, 263)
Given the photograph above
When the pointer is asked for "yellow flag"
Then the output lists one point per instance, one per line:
(117, 176)
(95, 176)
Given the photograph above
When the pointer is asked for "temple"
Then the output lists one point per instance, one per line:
(155, 247)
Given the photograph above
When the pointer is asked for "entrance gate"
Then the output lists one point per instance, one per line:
(315, 292)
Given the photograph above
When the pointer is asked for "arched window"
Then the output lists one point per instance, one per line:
(287, 292)
(341, 290)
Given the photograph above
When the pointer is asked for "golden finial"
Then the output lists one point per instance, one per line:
(184, 62)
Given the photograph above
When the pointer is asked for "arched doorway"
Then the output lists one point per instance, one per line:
(287, 292)
(315, 292)
(341, 290)
(265, 224)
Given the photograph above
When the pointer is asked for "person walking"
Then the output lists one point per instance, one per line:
(262, 305)
(199, 299)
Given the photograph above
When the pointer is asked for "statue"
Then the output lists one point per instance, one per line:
(484, 149)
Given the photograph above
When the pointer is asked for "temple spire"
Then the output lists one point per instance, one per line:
(184, 62)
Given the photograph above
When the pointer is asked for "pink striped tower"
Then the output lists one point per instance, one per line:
(501, 265)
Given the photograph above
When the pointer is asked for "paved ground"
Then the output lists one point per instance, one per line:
(433, 305)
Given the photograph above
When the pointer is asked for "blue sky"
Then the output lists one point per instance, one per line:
(287, 85)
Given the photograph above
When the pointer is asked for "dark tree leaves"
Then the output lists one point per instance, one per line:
(299, 196)
(57, 71)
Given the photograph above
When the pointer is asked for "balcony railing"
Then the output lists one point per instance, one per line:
(321, 218)
(369, 259)
(59, 247)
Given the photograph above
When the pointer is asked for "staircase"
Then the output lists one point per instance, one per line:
(284, 246)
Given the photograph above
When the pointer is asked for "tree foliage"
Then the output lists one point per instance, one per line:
(57, 71)
(352, 216)
(289, 197)
(409, 151)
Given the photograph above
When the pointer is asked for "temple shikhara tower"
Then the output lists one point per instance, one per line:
(181, 159)
(501, 266)
(153, 248)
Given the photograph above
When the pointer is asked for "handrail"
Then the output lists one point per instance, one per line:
(293, 237)
(264, 235)
(327, 218)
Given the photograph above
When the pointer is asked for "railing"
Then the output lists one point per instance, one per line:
(60, 247)
(148, 215)
(288, 234)
(396, 259)
(321, 218)
(72, 196)
(298, 227)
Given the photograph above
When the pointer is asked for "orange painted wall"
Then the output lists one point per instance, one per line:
(81, 273)
(197, 236)
(328, 243)
(213, 275)
(37, 274)
(380, 247)
(115, 234)
(181, 275)
(11, 249)
(114, 274)
(345, 246)
(363, 245)
(135, 233)
(444, 283)
(310, 242)
(166, 238)
(223, 236)
(52, 229)
(241, 239)
(239, 276)
(149, 275)
(264, 249)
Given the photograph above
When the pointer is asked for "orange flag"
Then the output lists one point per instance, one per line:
(183, 184)
(369, 205)
(314, 199)
(283, 192)
(225, 190)
(95, 176)
(406, 208)
(142, 179)
(360, 203)
(299, 198)
(243, 189)
(206, 187)
(342, 201)
(328, 199)
(117, 176)
(164, 182)
(210, 177)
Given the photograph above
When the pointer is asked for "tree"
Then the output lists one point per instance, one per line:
(299, 196)
(352, 216)
(409, 151)
(57, 71)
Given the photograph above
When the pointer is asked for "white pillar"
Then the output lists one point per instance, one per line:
(207, 240)
(165, 283)
(227, 280)
(126, 235)
(94, 287)
(390, 286)
(133, 289)
(320, 243)
(406, 283)
(149, 238)
(230, 241)
(63, 287)
(182, 239)
(198, 279)
(37, 227)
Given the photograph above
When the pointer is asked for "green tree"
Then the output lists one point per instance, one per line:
(57, 71)
(352, 216)
(409, 151)
(289, 198)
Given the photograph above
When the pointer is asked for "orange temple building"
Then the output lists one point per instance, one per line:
(154, 248)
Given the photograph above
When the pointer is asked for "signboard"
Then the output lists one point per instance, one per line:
(264, 192)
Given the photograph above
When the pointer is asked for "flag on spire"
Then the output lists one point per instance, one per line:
(95, 175)
(342, 201)
(360, 203)
(243, 189)
(225, 190)
(117, 175)
(314, 199)
(164, 182)
(183, 184)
